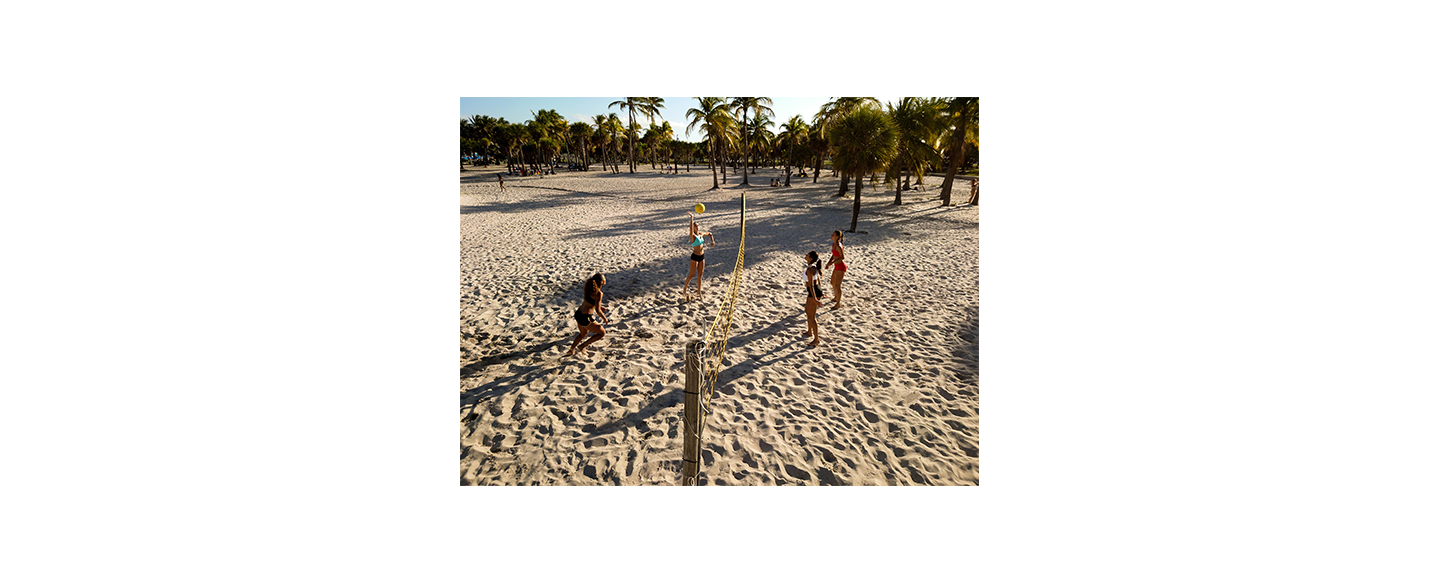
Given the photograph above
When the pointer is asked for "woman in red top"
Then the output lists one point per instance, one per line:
(837, 258)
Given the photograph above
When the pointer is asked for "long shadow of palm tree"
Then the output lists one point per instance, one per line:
(635, 419)
(499, 386)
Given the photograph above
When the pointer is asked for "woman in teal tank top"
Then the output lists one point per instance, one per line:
(697, 256)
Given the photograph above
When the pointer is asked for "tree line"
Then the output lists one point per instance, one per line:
(910, 138)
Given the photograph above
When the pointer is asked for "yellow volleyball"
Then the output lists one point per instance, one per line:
(699, 207)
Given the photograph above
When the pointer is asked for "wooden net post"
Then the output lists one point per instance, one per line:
(690, 471)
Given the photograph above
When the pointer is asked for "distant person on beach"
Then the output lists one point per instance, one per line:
(586, 318)
(837, 259)
(812, 296)
(697, 256)
(502, 181)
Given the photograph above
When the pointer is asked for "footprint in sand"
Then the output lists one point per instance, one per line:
(827, 478)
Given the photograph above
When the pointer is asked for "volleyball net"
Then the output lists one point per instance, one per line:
(703, 360)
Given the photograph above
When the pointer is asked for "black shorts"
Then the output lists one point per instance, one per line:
(584, 318)
(697, 258)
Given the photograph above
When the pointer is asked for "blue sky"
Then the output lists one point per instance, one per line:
(583, 109)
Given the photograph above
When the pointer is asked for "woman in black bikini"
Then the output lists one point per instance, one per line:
(697, 256)
(585, 318)
(812, 296)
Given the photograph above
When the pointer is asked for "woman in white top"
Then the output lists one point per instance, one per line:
(813, 294)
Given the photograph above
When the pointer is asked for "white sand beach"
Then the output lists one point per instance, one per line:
(890, 397)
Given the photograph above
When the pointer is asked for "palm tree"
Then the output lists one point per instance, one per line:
(864, 142)
(580, 131)
(917, 125)
(549, 124)
(489, 140)
(679, 150)
(467, 143)
(632, 134)
(516, 137)
(614, 128)
(606, 130)
(760, 137)
(713, 117)
(534, 133)
(793, 133)
(629, 104)
(646, 106)
(483, 132)
(648, 140)
(833, 111)
(744, 105)
(667, 133)
(818, 146)
(964, 117)
(599, 137)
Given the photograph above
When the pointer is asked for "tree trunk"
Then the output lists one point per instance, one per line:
(714, 172)
(844, 184)
(954, 165)
(855, 215)
(819, 159)
(745, 157)
(724, 166)
(897, 187)
(974, 192)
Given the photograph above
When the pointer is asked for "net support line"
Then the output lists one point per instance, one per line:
(702, 364)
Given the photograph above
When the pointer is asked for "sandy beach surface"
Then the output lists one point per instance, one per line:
(890, 397)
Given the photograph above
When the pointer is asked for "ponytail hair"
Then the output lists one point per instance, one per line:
(842, 236)
(593, 285)
(812, 260)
